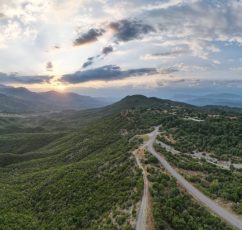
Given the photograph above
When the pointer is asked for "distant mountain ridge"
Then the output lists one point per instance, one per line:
(22, 100)
(222, 99)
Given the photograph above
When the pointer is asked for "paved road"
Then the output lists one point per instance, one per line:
(230, 218)
(168, 148)
(141, 222)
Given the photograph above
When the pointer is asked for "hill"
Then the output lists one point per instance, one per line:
(76, 170)
(12, 105)
(22, 100)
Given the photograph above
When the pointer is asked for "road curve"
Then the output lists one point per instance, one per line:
(141, 221)
(230, 218)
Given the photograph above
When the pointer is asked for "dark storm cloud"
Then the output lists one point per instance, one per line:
(89, 37)
(13, 78)
(106, 50)
(127, 30)
(106, 73)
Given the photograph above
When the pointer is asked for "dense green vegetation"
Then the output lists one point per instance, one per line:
(218, 132)
(213, 181)
(83, 177)
(75, 170)
(221, 135)
(173, 208)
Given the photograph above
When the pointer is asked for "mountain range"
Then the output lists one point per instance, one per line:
(22, 100)
(223, 99)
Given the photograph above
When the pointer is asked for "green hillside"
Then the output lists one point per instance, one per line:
(74, 177)
(75, 170)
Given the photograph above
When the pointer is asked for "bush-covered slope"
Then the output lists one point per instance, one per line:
(75, 170)
(84, 177)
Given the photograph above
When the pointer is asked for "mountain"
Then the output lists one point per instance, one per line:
(223, 99)
(143, 102)
(72, 100)
(12, 105)
(22, 100)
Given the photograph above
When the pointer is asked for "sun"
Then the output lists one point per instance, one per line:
(56, 84)
(60, 87)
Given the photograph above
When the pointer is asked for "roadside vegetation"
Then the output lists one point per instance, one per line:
(212, 180)
(217, 134)
(172, 207)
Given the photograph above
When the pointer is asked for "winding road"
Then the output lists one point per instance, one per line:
(227, 216)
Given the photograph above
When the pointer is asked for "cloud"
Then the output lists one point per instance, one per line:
(14, 78)
(191, 68)
(124, 30)
(190, 25)
(89, 62)
(89, 37)
(127, 30)
(168, 54)
(168, 70)
(162, 5)
(106, 50)
(216, 62)
(178, 82)
(106, 73)
(184, 23)
(49, 66)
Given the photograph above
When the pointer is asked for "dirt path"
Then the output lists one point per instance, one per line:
(143, 221)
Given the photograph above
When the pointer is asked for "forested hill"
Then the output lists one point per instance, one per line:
(76, 170)
(71, 171)
(143, 102)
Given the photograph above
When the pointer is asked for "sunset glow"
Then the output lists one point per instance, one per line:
(158, 46)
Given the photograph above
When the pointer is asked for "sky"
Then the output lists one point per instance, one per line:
(112, 48)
